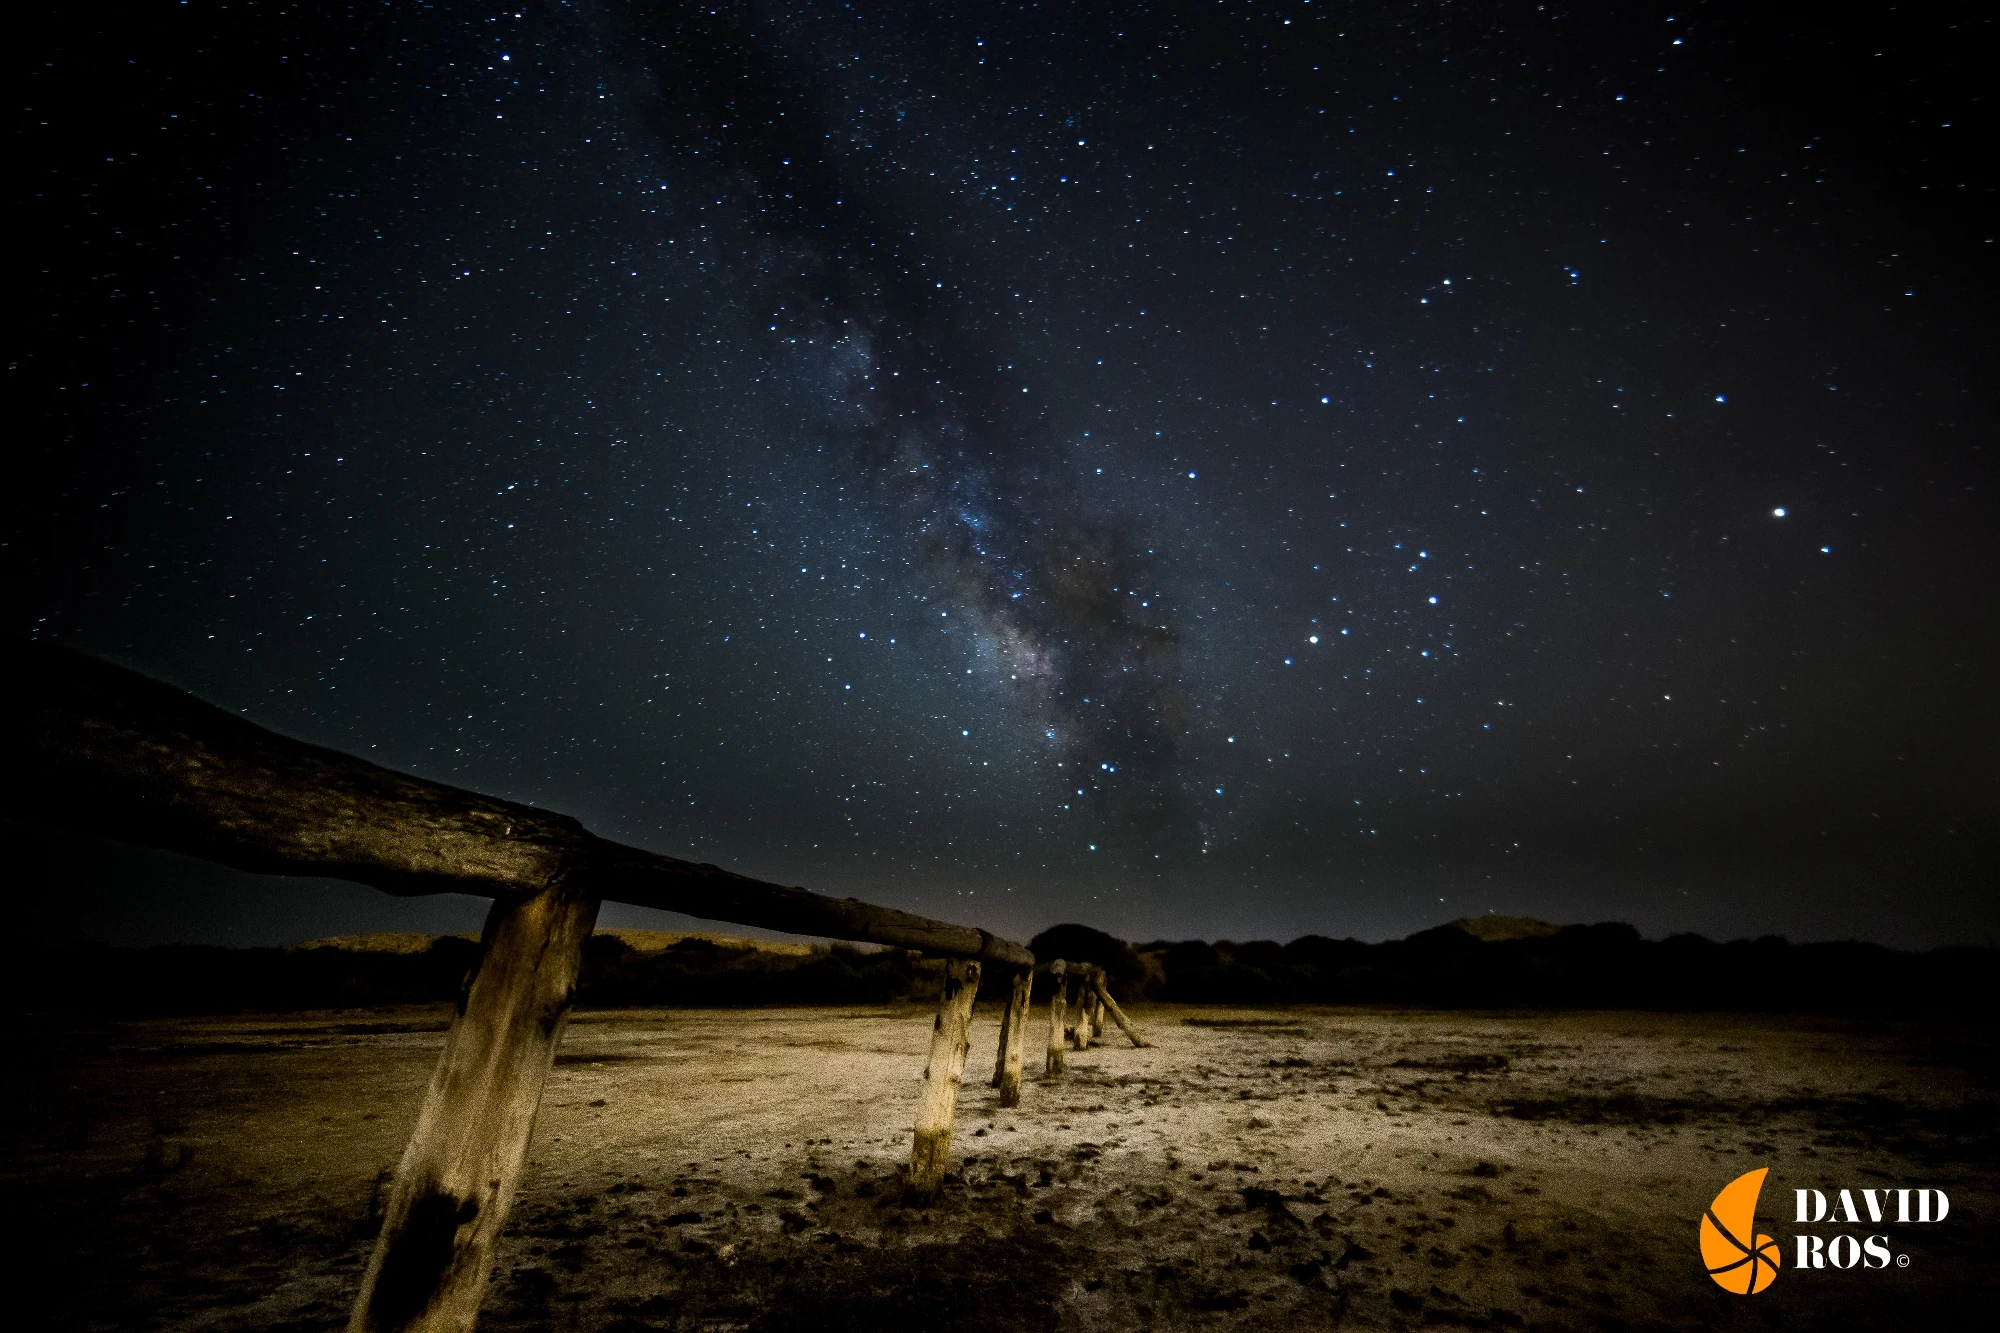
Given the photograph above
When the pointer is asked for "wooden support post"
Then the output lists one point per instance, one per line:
(949, 1039)
(1117, 1014)
(1080, 1034)
(1006, 1029)
(465, 1158)
(1013, 1038)
(1054, 1065)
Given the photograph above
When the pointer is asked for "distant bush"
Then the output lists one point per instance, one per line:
(1124, 969)
(1599, 966)
(1189, 955)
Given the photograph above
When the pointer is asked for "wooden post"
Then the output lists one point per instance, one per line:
(1006, 1028)
(1117, 1014)
(1080, 1034)
(1014, 1037)
(1054, 1064)
(464, 1160)
(947, 1065)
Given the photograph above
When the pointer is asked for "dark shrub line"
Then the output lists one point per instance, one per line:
(1602, 966)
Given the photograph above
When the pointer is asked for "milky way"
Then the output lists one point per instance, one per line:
(1234, 469)
(932, 418)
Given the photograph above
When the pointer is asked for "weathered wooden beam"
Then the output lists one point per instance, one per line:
(464, 1160)
(114, 754)
(1054, 1063)
(1015, 1039)
(1117, 1014)
(647, 879)
(931, 1147)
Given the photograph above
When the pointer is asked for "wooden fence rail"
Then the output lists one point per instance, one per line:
(111, 753)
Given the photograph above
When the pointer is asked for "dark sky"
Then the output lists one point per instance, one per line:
(1203, 469)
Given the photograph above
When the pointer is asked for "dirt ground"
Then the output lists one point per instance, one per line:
(1276, 1169)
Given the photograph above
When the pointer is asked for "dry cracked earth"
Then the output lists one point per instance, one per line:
(1273, 1169)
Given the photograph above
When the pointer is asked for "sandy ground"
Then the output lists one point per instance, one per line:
(1306, 1168)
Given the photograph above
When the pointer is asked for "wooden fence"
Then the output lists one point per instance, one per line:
(109, 752)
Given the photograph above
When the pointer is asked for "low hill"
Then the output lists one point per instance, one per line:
(639, 941)
(659, 941)
(386, 941)
(1498, 929)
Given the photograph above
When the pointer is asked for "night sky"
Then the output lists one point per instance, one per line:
(1201, 469)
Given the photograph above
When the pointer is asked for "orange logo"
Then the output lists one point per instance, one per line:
(1738, 1263)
